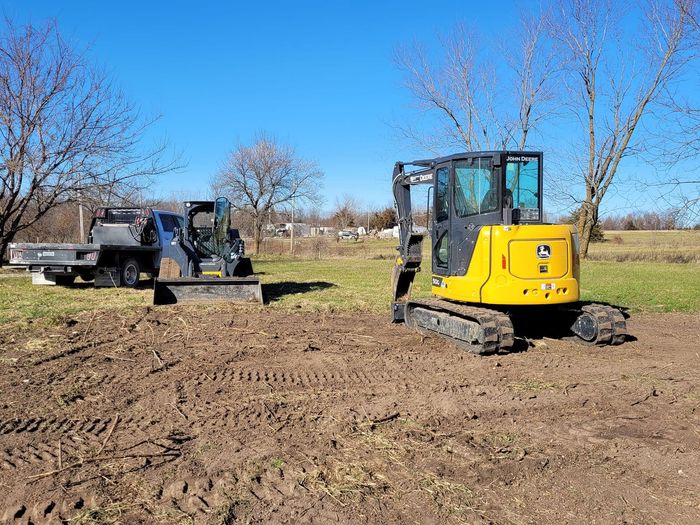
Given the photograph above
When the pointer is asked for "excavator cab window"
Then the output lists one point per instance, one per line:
(442, 195)
(523, 185)
(442, 250)
(476, 187)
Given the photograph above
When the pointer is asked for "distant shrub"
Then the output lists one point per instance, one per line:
(597, 234)
(616, 239)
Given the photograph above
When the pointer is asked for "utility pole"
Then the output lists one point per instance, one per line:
(82, 228)
(292, 236)
(80, 213)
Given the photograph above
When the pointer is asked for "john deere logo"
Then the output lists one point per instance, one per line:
(544, 251)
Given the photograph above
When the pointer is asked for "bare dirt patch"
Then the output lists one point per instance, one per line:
(227, 414)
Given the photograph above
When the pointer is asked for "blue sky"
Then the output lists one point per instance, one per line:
(317, 75)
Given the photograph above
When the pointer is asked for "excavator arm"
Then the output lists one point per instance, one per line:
(409, 259)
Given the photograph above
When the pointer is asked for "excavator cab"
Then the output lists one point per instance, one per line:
(489, 248)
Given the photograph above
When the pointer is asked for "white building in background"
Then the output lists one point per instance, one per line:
(284, 229)
(322, 230)
(394, 232)
(388, 233)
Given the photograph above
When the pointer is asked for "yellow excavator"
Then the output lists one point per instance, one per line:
(493, 256)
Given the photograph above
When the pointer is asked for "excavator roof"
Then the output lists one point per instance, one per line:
(467, 154)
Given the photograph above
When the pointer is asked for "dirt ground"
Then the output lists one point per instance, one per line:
(254, 415)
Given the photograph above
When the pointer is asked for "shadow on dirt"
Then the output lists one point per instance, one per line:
(275, 291)
(551, 322)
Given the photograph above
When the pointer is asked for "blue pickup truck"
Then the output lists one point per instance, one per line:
(123, 244)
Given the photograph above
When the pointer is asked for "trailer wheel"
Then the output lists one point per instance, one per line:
(130, 273)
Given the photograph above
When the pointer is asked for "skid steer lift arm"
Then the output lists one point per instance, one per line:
(409, 258)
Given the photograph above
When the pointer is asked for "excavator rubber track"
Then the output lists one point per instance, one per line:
(474, 329)
(600, 325)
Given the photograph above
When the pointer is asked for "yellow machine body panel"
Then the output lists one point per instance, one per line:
(529, 264)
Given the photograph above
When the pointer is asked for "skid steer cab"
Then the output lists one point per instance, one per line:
(206, 260)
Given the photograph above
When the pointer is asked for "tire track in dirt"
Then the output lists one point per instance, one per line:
(93, 426)
(34, 455)
(74, 435)
(228, 497)
(199, 497)
(49, 511)
(301, 378)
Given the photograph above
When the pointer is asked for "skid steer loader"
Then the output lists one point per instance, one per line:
(493, 257)
(206, 259)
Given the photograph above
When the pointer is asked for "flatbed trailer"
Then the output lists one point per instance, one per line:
(125, 242)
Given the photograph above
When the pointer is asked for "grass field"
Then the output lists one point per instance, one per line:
(363, 285)
(648, 246)
(355, 276)
(620, 246)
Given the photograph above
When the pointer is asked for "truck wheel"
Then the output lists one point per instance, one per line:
(130, 273)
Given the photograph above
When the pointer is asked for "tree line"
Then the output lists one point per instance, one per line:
(616, 78)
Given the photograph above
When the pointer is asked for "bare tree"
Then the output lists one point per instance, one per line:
(266, 175)
(615, 83)
(386, 218)
(346, 212)
(64, 130)
(679, 139)
(463, 92)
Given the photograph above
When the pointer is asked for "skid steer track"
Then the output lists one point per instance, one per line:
(477, 330)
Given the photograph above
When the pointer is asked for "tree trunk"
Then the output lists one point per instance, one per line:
(587, 218)
(4, 243)
(257, 233)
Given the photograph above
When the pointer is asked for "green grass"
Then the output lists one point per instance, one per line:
(362, 285)
(358, 280)
(22, 303)
(648, 246)
(656, 287)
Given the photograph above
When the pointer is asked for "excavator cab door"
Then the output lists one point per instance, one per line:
(467, 197)
(440, 234)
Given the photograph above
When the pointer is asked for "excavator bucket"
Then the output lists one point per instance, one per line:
(201, 290)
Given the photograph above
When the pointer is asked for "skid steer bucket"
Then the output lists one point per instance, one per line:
(201, 290)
